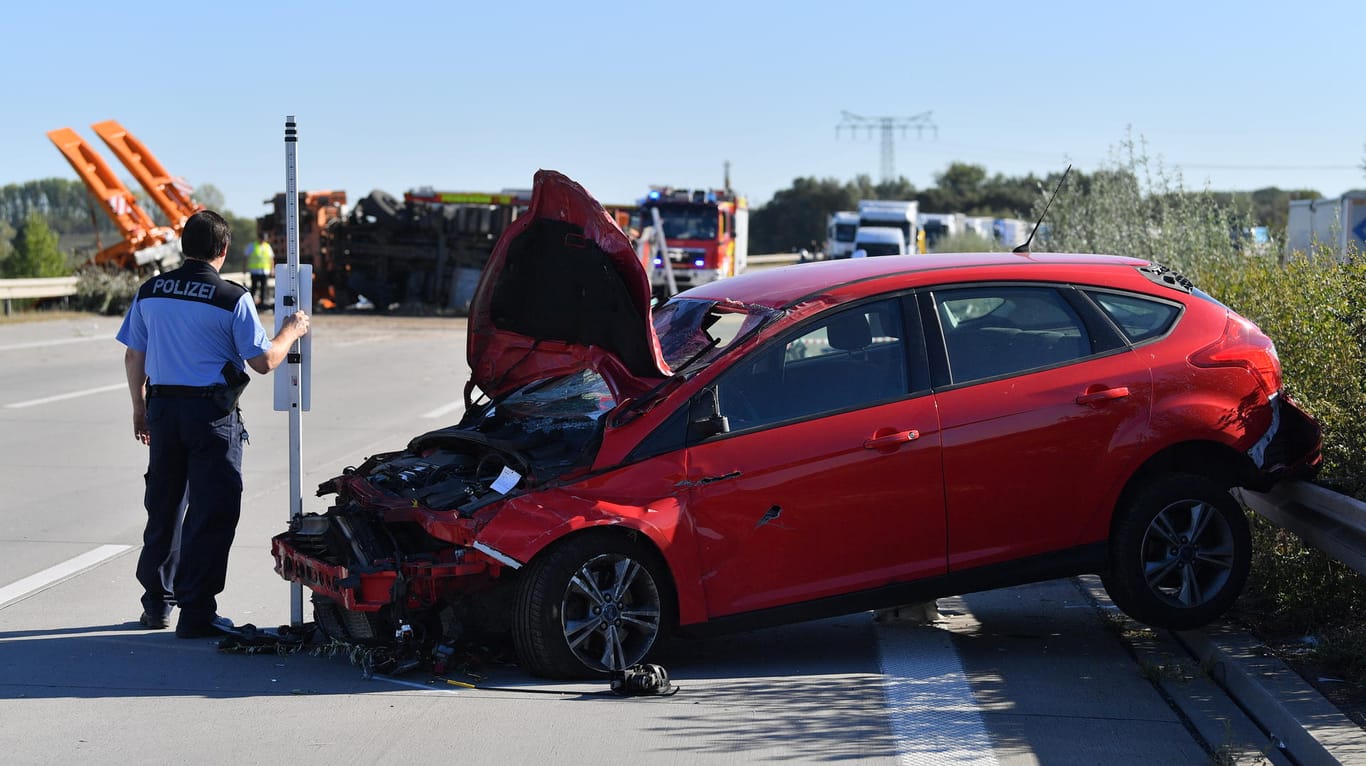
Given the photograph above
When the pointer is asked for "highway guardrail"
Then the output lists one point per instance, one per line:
(45, 287)
(1330, 521)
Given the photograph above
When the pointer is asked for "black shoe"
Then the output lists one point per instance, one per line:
(216, 626)
(148, 620)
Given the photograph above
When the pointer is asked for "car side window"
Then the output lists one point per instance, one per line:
(1139, 318)
(1002, 330)
(847, 359)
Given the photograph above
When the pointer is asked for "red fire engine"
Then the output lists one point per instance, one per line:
(706, 234)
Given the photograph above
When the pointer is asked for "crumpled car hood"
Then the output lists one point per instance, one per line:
(563, 291)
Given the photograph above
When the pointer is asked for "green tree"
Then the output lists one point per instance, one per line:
(210, 197)
(795, 218)
(35, 251)
(959, 188)
(6, 242)
(65, 203)
(243, 235)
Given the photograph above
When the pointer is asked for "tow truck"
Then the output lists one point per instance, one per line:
(143, 241)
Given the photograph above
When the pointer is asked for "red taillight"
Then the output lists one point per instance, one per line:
(1243, 345)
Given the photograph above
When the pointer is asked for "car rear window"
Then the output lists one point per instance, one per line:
(1139, 318)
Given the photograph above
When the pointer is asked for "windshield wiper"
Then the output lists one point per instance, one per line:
(711, 344)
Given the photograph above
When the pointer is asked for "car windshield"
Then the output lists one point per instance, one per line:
(551, 424)
(695, 332)
(687, 222)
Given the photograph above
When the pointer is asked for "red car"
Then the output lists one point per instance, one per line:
(798, 443)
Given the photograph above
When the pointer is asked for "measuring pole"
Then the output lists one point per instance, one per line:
(293, 291)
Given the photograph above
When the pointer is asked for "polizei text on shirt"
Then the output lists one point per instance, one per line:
(185, 289)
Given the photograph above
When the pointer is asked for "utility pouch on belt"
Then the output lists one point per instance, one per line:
(226, 396)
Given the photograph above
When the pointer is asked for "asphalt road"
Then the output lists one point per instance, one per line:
(1039, 674)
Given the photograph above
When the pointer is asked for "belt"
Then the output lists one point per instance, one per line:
(182, 392)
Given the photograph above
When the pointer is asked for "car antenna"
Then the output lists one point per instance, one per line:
(1024, 248)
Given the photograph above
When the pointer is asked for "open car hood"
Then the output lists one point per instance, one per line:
(563, 292)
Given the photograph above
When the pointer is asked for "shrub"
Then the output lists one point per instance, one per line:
(1309, 305)
(106, 290)
(966, 242)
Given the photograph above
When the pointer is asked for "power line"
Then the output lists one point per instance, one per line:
(887, 126)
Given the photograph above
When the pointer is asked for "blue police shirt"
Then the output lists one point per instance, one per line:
(189, 322)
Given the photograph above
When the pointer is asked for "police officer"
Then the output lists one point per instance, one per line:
(260, 257)
(188, 333)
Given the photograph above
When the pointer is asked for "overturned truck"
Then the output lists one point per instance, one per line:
(425, 251)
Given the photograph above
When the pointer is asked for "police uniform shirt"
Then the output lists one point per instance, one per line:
(189, 322)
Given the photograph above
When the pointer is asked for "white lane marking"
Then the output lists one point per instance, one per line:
(17, 590)
(45, 343)
(411, 685)
(440, 411)
(935, 718)
(72, 395)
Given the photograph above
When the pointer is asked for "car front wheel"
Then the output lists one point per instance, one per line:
(594, 604)
(1180, 551)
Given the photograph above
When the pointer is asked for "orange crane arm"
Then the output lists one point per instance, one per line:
(171, 194)
(134, 224)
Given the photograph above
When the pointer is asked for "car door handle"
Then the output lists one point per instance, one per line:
(891, 440)
(1104, 394)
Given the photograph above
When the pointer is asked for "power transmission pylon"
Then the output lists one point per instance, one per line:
(887, 126)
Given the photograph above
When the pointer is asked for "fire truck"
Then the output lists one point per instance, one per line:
(705, 235)
(143, 241)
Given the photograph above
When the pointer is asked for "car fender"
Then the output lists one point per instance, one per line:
(527, 525)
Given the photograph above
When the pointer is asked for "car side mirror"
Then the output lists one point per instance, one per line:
(705, 419)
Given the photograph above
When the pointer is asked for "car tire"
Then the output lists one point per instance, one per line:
(1180, 550)
(594, 604)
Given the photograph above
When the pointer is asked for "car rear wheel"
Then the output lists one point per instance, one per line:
(1179, 552)
(594, 604)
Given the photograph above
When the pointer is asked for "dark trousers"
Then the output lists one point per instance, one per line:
(259, 282)
(193, 500)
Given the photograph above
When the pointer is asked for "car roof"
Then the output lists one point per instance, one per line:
(780, 287)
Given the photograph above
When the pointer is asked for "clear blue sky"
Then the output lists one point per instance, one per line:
(467, 96)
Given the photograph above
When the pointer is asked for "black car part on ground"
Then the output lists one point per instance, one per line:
(645, 680)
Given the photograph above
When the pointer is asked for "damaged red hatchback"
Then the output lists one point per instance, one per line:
(799, 443)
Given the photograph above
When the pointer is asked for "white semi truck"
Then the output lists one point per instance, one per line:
(878, 218)
(1338, 224)
(940, 226)
(839, 234)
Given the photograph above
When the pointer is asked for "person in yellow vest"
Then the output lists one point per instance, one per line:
(260, 259)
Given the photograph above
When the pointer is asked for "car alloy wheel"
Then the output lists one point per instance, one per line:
(1180, 551)
(1188, 553)
(594, 604)
(610, 612)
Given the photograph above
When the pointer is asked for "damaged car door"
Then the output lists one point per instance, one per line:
(827, 480)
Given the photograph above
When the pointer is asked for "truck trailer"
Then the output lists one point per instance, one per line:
(1338, 224)
(896, 214)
